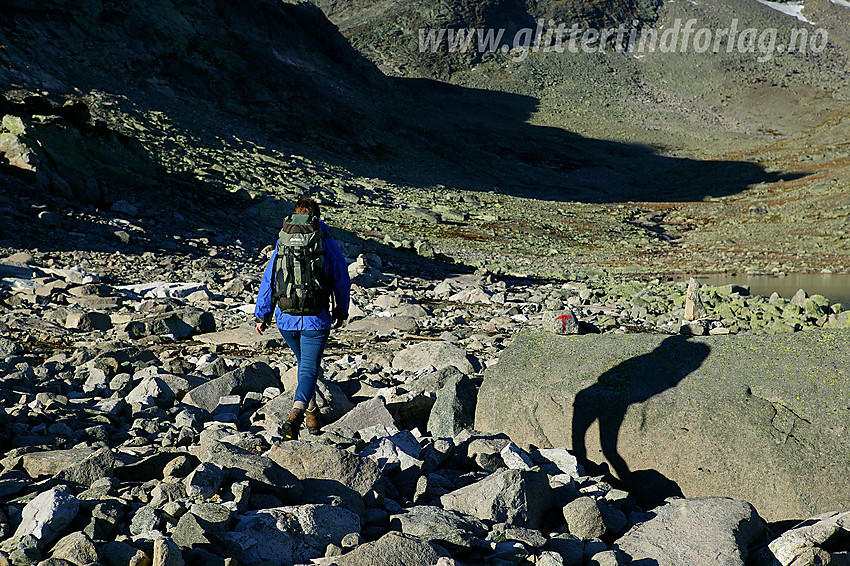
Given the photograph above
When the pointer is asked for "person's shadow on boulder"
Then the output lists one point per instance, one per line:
(633, 381)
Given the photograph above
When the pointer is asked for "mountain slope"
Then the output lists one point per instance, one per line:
(279, 62)
(161, 102)
(389, 32)
(701, 104)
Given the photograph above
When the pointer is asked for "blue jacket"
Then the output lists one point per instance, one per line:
(337, 269)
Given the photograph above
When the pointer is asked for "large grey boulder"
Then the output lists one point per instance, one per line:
(47, 516)
(437, 354)
(329, 473)
(311, 460)
(376, 324)
(454, 409)
(449, 529)
(759, 418)
(516, 497)
(392, 549)
(253, 377)
(291, 535)
(712, 530)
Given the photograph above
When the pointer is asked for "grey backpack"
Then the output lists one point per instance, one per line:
(301, 285)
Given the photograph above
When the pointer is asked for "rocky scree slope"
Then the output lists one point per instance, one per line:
(141, 422)
(141, 413)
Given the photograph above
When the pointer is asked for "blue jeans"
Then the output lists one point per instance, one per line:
(308, 347)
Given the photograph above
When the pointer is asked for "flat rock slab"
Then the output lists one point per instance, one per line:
(163, 289)
(51, 462)
(375, 324)
(711, 530)
(311, 460)
(244, 335)
(437, 354)
(760, 418)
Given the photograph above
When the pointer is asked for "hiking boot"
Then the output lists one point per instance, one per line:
(292, 424)
(313, 420)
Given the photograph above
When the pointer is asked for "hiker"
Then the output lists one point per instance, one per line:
(306, 286)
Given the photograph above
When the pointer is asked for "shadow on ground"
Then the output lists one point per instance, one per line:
(485, 141)
(631, 382)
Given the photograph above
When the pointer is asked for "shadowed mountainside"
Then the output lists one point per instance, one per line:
(278, 73)
(280, 63)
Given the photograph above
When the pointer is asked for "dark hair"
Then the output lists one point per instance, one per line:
(307, 206)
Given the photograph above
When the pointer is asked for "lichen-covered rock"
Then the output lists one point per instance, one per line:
(750, 417)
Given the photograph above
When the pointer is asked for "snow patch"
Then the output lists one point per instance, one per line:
(844, 3)
(791, 8)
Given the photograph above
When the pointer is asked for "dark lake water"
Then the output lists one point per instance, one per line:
(835, 287)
